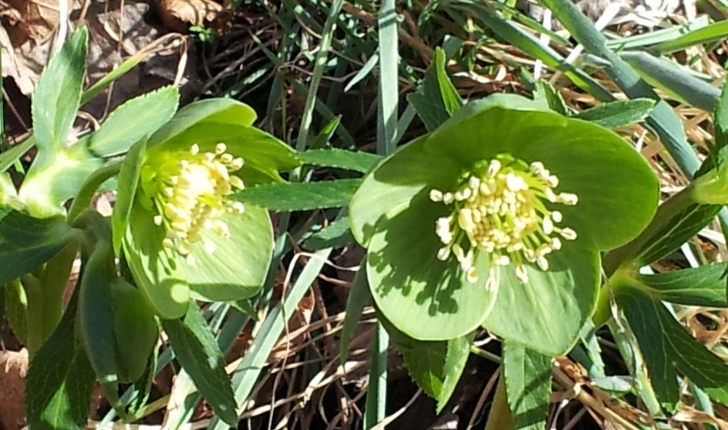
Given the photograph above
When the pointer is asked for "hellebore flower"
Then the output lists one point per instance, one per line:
(498, 218)
(183, 233)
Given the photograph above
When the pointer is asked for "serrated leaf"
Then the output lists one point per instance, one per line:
(359, 298)
(130, 122)
(667, 347)
(699, 286)
(458, 351)
(357, 161)
(198, 353)
(27, 242)
(437, 99)
(619, 113)
(60, 380)
(528, 385)
(96, 320)
(680, 219)
(425, 361)
(13, 154)
(336, 235)
(299, 196)
(57, 95)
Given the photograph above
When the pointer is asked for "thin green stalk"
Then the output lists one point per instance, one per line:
(36, 313)
(89, 188)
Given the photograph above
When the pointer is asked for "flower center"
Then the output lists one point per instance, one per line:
(188, 193)
(500, 209)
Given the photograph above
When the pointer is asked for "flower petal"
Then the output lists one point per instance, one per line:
(157, 274)
(390, 187)
(424, 297)
(547, 313)
(237, 267)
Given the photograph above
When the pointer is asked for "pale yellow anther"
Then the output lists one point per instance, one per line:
(236, 164)
(493, 168)
(521, 273)
(471, 275)
(502, 260)
(548, 225)
(436, 195)
(503, 209)
(568, 234)
(191, 193)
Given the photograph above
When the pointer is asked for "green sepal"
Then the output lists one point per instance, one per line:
(239, 265)
(209, 122)
(547, 313)
(129, 176)
(156, 270)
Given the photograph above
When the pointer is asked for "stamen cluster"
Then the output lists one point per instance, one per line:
(500, 210)
(188, 192)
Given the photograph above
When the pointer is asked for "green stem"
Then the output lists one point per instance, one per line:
(36, 312)
(54, 281)
(89, 187)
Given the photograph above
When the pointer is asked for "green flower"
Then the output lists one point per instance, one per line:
(498, 219)
(182, 232)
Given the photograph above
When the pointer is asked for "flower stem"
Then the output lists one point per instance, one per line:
(89, 188)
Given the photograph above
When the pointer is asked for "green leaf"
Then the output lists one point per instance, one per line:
(528, 385)
(713, 32)
(112, 76)
(57, 95)
(299, 196)
(618, 114)
(500, 416)
(60, 380)
(238, 267)
(26, 243)
(721, 120)
(458, 351)
(135, 330)
(129, 175)
(546, 314)
(359, 298)
(699, 286)
(336, 235)
(673, 80)
(130, 122)
(198, 353)
(425, 362)
(676, 221)
(156, 270)
(13, 154)
(96, 320)
(668, 347)
(341, 159)
(437, 99)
